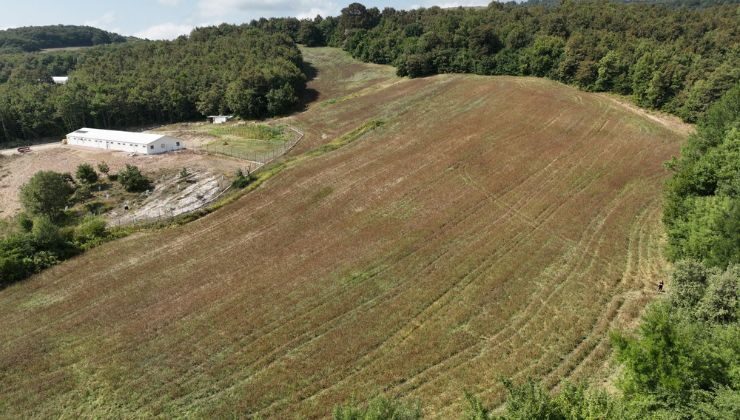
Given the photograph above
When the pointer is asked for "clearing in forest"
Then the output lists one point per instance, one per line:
(466, 229)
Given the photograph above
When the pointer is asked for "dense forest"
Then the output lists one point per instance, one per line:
(224, 69)
(678, 60)
(35, 38)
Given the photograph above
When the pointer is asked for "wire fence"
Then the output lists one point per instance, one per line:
(259, 157)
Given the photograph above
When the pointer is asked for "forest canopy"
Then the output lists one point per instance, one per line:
(675, 59)
(224, 69)
(35, 38)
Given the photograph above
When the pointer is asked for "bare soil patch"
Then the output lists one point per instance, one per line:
(18, 169)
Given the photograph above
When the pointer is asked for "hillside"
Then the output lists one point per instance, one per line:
(35, 38)
(487, 227)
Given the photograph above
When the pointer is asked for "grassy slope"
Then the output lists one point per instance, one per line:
(490, 227)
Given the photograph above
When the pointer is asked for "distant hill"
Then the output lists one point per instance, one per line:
(35, 38)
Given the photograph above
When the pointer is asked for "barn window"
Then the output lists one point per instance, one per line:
(177, 143)
(151, 147)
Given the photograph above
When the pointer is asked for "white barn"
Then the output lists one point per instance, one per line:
(219, 119)
(141, 143)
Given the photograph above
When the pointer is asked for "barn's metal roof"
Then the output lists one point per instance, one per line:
(114, 135)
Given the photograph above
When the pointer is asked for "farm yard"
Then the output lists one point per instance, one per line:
(489, 227)
(18, 169)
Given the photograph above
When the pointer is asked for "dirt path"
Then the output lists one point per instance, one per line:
(34, 148)
(668, 121)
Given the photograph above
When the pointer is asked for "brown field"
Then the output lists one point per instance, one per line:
(492, 227)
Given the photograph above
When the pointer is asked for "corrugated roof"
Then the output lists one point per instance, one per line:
(114, 135)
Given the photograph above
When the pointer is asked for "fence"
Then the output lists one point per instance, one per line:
(261, 158)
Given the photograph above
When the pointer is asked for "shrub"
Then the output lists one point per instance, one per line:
(241, 180)
(103, 168)
(86, 174)
(46, 193)
(689, 280)
(379, 408)
(133, 180)
(81, 194)
(720, 303)
(90, 232)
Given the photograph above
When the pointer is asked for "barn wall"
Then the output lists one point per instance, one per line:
(107, 144)
(164, 145)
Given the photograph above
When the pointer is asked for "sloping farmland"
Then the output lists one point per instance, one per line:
(483, 227)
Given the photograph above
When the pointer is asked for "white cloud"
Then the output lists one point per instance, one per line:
(268, 8)
(164, 31)
(103, 21)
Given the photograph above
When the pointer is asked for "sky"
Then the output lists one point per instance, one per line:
(167, 19)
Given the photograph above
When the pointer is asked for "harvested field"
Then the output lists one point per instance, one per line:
(490, 227)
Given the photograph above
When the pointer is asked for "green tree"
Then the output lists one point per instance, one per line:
(720, 303)
(673, 360)
(133, 180)
(47, 193)
(86, 174)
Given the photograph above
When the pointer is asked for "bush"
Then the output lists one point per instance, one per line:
(46, 193)
(674, 359)
(133, 180)
(86, 174)
(103, 168)
(720, 302)
(241, 180)
(82, 194)
(90, 232)
(688, 282)
(531, 401)
(379, 408)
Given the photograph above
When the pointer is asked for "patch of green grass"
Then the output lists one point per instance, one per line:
(247, 141)
(248, 131)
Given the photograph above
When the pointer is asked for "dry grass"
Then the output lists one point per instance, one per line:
(490, 227)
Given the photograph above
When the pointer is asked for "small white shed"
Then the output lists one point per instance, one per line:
(124, 141)
(60, 80)
(219, 119)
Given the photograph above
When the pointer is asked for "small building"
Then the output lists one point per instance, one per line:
(124, 141)
(60, 80)
(219, 119)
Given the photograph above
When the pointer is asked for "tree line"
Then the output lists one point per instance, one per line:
(35, 38)
(678, 60)
(214, 70)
